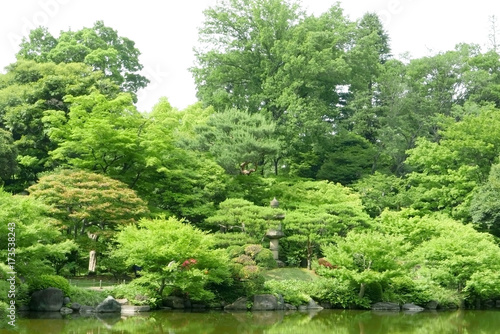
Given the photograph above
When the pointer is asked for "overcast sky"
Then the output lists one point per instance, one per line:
(166, 31)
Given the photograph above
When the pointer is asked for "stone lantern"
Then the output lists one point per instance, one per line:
(274, 235)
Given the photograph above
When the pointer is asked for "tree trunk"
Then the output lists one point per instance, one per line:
(92, 261)
(362, 289)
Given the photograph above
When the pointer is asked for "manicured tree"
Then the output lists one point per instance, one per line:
(88, 204)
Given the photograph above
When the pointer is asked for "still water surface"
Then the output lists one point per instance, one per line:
(326, 321)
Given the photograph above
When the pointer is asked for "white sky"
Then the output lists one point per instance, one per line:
(166, 31)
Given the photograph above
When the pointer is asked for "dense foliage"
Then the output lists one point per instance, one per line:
(386, 170)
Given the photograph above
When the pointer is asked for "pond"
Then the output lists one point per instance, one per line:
(325, 321)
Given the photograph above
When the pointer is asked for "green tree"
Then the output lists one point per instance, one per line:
(8, 157)
(240, 215)
(316, 211)
(26, 225)
(88, 205)
(100, 47)
(238, 140)
(485, 203)
(27, 91)
(174, 256)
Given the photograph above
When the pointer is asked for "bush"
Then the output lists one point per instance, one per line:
(84, 296)
(265, 259)
(293, 291)
(137, 293)
(49, 281)
(252, 250)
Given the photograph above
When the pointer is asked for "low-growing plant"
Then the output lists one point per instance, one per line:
(84, 296)
(48, 281)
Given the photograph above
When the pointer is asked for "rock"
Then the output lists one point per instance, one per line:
(47, 300)
(84, 309)
(386, 306)
(497, 303)
(302, 308)
(65, 310)
(326, 305)
(66, 300)
(265, 302)
(75, 306)
(290, 307)
(313, 306)
(239, 305)
(412, 307)
(122, 301)
(432, 305)
(109, 305)
(281, 302)
(174, 302)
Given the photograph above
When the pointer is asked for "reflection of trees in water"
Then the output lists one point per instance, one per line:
(278, 322)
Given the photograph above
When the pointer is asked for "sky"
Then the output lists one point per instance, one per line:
(165, 32)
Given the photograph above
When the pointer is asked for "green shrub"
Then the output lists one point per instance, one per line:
(137, 293)
(293, 292)
(373, 292)
(265, 259)
(84, 296)
(253, 249)
(339, 293)
(49, 281)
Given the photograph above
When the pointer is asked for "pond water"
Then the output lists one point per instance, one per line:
(325, 321)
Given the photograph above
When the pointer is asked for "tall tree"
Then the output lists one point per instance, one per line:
(99, 47)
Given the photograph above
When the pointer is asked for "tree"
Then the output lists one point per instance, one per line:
(368, 257)
(316, 211)
(100, 47)
(8, 157)
(240, 215)
(27, 91)
(238, 140)
(485, 204)
(174, 256)
(446, 172)
(26, 225)
(88, 204)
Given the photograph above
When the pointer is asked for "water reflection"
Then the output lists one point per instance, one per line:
(326, 321)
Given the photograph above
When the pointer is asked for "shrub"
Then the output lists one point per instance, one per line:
(244, 260)
(253, 250)
(265, 259)
(49, 281)
(293, 291)
(84, 296)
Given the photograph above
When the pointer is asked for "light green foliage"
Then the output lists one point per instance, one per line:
(100, 134)
(446, 173)
(380, 191)
(35, 235)
(100, 47)
(48, 281)
(27, 91)
(485, 204)
(176, 180)
(238, 140)
(175, 257)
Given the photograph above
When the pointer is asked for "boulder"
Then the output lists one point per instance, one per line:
(66, 300)
(302, 308)
(174, 302)
(386, 306)
(290, 307)
(65, 310)
(281, 302)
(130, 309)
(47, 300)
(239, 305)
(432, 305)
(313, 305)
(412, 307)
(265, 302)
(75, 306)
(109, 305)
(123, 301)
